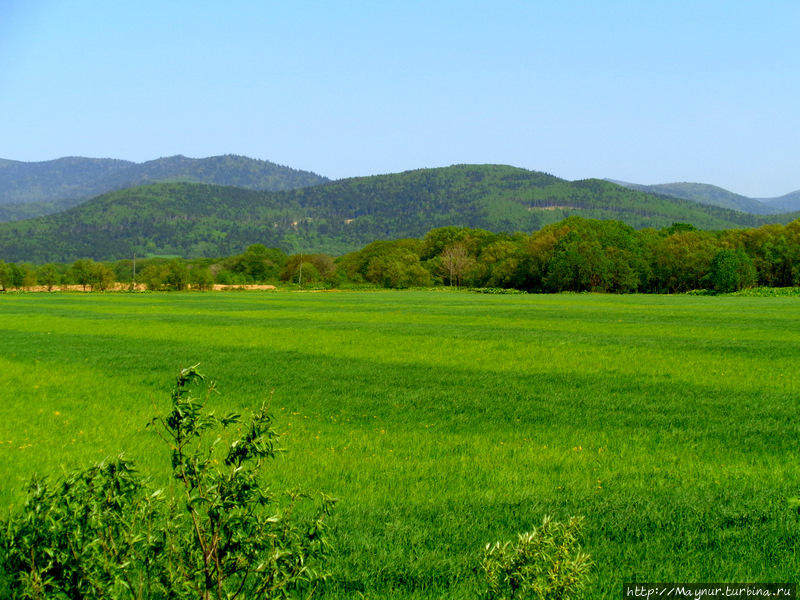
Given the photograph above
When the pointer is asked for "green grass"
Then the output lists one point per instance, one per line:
(444, 421)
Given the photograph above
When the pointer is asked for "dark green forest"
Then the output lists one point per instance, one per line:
(574, 254)
(196, 220)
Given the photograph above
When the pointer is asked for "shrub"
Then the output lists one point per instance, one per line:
(102, 533)
(545, 564)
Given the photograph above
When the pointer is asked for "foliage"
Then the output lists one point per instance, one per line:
(455, 263)
(572, 255)
(101, 533)
(48, 276)
(201, 277)
(762, 292)
(194, 220)
(167, 275)
(387, 264)
(86, 272)
(309, 268)
(93, 534)
(258, 264)
(731, 270)
(544, 564)
(238, 540)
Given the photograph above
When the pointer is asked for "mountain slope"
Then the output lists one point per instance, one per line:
(203, 220)
(48, 181)
(53, 185)
(717, 196)
(787, 203)
(705, 194)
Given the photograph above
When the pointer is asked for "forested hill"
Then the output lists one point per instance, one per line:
(788, 202)
(38, 188)
(707, 194)
(717, 196)
(200, 220)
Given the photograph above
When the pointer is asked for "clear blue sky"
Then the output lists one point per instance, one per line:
(648, 91)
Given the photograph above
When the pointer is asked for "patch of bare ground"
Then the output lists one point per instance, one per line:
(222, 287)
(554, 207)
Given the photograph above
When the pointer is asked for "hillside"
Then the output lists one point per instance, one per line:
(789, 202)
(70, 177)
(39, 188)
(717, 196)
(201, 220)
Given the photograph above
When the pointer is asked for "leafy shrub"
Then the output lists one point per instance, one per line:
(102, 533)
(545, 564)
(769, 291)
(90, 535)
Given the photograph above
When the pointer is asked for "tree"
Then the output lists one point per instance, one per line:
(500, 263)
(259, 263)
(5, 276)
(80, 272)
(176, 275)
(16, 275)
(456, 262)
(731, 270)
(201, 277)
(315, 268)
(48, 276)
(682, 260)
(101, 277)
(152, 276)
(397, 269)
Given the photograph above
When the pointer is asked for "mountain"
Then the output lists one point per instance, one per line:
(717, 196)
(191, 219)
(70, 177)
(787, 203)
(29, 210)
(39, 188)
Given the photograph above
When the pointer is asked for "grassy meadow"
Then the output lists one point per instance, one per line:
(443, 421)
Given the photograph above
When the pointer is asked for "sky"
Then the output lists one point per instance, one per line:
(646, 91)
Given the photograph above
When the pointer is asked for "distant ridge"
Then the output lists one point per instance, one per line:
(717, 196)
(191, 219)
(29, 189)
(787, 203)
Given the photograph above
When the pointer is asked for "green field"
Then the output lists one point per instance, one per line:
(444, 421)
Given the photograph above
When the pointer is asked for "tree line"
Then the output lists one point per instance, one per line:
(197, 220)
(575, 254)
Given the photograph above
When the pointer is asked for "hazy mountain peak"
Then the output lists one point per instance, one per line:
(68, 181)
(713, 195)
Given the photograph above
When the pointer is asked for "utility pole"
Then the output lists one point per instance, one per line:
(134, 271)
(300, 272)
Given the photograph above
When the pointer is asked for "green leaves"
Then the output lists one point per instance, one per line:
(86, 536)
(101, 533)
(545, 563)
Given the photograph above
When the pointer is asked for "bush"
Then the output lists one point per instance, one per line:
(102, 533)
(545, 564)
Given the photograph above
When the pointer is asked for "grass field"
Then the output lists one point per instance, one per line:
(444, 421)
